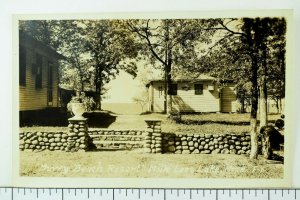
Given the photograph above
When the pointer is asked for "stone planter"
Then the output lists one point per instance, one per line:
(78, 109)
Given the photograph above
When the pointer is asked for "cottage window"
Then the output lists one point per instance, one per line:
(198, 89)
(22, 65)
(38, 75)
(173, 90)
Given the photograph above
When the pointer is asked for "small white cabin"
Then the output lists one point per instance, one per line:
(193, 96)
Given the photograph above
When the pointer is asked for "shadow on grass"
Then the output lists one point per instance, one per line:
(60, 116)
(100, 119)
(201, 122)
(107, 150)
(45, 117)
(275, 159)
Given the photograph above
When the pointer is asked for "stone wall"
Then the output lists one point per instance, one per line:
(152, 140)
(100, 139)
(38, 141)
(206, 143)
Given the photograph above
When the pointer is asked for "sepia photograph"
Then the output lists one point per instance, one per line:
(200, 98)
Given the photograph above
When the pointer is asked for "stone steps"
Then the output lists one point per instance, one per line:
(117, 142)
(133, 136)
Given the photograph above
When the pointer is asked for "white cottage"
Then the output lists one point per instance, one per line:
(197, 95)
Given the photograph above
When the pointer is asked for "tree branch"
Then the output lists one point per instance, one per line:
(146, 37)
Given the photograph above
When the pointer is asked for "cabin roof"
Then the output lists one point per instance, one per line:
(27, 39)
(202, 77)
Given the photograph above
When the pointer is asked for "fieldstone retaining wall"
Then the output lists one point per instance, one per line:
(71, 141)
(152, 140)
(206, 143)
(38, 141)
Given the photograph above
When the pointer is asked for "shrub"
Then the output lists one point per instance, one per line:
(175, 116)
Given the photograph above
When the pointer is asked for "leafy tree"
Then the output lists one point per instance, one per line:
(164, 41)
(239, 54)
(76, 70)
(44, 31)
(108, 55)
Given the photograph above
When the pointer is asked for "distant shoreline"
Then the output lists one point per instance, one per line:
(123, 108)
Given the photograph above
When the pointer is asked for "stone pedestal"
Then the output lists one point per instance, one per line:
(153, 138)
(77, 134)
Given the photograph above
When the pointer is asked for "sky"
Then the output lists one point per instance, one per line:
(122, 89)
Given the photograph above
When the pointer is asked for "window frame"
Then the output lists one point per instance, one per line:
(173, 89)
(160, 91)
(198, 88)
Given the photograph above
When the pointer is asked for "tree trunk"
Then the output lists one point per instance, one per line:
(253, 114)
(169, 86)
(168, 67)
(254, 139)
(263, 96)
(280, 105)
(277, 104)
(98, 83)
(263, 107)
(165, 91)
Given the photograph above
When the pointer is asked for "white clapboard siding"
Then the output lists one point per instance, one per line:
(158, 97)
(186, 100)
(31, 98)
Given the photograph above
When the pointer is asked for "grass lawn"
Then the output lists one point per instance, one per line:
(213, 123)
(136, 164)
(226, 117)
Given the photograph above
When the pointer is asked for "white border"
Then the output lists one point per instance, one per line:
(7, 8)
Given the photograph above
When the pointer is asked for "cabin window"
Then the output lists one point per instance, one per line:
(38, 71)
(160, 91)
(173, 90)
(198, 89)
(22, 65)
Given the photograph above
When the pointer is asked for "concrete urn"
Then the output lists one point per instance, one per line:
(78, 109)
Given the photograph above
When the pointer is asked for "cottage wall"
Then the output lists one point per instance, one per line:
(186, 100)
(31, 98)
(157, 91)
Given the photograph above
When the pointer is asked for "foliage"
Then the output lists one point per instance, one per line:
(244, 51)
(80, 97)
(108, 56)
(76, 71)
(94, 51)
(44, 31)
(165, 42)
